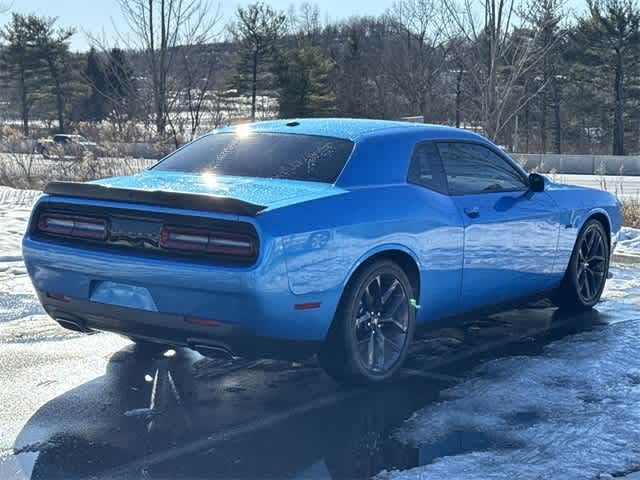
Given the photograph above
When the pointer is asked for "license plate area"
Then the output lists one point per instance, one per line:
(122, 295)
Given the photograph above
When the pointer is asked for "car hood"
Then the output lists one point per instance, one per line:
(268, 192)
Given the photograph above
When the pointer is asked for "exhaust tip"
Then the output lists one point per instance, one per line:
(71, 324)
(214, 351)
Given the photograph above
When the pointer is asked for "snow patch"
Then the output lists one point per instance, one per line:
(629, 241)
(570, 413)
(15, 208)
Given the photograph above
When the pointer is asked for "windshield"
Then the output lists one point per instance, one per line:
(266, 155)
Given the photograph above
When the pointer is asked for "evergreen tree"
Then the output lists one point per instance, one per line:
(22, 64)
(121, 86)
(609, 41)
(95, 75)
(59, 79)
(257, 30)
(304, 87)
(64, 81)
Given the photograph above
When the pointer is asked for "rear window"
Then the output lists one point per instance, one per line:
(266, 155)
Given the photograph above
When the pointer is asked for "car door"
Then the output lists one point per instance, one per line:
(439, 234)
(510, 232)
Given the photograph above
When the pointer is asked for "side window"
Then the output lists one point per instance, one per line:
(425, 168)
(472, 168)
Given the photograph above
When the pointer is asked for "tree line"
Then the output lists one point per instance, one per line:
(530, 75)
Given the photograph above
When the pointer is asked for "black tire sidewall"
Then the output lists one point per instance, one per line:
(348, 310)
(573, 265)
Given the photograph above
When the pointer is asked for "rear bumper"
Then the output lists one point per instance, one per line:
(256, 300)
(175, 330)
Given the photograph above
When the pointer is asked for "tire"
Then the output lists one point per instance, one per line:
(588, 268)
(362, 348)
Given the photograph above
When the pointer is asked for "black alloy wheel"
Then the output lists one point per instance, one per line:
(588, 269)
(592, 264)
(373, 328)
(382, 323)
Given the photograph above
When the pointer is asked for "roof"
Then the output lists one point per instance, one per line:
(347, 128)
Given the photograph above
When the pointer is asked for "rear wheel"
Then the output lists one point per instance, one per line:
(586, 274)
(373, 327)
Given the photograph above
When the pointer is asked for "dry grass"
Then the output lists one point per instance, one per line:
(31, 171)
(21, 168)
(630, 205)
(631, 213)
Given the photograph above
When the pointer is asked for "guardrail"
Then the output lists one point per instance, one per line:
(580, 164)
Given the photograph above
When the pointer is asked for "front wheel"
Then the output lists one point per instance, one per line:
(588, 268)
(373, 328)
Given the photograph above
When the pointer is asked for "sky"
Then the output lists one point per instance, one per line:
(101, 18)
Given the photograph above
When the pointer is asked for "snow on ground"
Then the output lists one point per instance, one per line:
(629, 242)
(15, 207)
(17, 299)
(571, 412)
(575, 411)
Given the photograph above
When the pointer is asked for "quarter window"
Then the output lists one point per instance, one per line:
(426, 169)
(472, 168)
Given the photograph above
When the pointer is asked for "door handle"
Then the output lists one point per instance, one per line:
(472, 212)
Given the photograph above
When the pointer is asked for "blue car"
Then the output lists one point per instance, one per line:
(337, 237)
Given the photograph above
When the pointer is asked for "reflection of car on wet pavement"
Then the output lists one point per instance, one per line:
(182, 416)
(65, 144)
(334, 237)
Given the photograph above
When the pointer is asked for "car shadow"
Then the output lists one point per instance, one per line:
(176, 414)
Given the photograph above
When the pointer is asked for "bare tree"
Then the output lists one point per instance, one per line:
(304, 23)
(502, 53)
(197, 86)
(157, 28)
(545, 17)
(416, 50)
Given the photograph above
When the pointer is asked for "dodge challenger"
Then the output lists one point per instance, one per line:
(334, 237)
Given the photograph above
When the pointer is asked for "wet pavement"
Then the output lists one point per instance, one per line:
(95, 406)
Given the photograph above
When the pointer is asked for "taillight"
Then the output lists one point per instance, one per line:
(223, 243)
(73, 225)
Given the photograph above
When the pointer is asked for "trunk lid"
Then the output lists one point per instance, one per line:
(266, 192)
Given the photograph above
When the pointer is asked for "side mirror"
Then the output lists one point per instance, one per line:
(536, 182)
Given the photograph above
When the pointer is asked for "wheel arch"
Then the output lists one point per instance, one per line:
(603, 218)
(566, 295)
(403, 256)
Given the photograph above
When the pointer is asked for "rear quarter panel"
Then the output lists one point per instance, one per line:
(327, 239)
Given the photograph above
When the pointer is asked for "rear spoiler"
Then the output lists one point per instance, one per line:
(191, 201)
